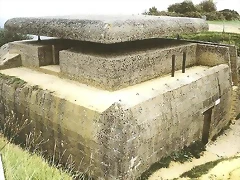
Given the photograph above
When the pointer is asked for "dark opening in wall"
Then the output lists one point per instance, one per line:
(206, 125)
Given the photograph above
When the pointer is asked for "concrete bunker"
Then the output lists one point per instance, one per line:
(120, 96)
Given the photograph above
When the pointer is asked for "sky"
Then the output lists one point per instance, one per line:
(33, 8)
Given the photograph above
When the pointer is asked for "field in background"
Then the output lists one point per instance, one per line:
(216, 37)
(233, 23)
(226, 26)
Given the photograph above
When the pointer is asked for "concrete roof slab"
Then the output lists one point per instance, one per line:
(105, 28)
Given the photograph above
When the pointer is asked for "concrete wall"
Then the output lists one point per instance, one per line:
(64, 130)
(130, 132)
(124, 140)
(212, 55)
(166, 123)
(8, 60)
(32, 55)
(234, 64)
(114, 72)
(40, 53)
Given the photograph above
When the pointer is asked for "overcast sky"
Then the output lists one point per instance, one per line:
(21, 8)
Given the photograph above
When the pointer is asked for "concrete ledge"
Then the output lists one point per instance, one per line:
(106, 29)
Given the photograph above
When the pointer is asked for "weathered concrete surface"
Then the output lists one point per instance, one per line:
(118, 134)
(115, 70)
(32, 54)
(4, 50)
(106, 29)
(212, 55)
(40, 53)
(50, 69)
(9, 60)
(226, 145)
(116, 66)
(235, 107)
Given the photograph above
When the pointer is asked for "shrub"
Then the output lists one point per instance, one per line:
(230, 15)
(182, 8)
(188, 9)
(173, 14)
(214, 16)
(207, 6)
(193, 14)
(174, 7)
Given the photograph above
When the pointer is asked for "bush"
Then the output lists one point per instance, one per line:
(152, 11)
(188, 9)
(193, 14)
(230, 15)
(207, 6)
(182, 8)
(173, 14)
(214, 16)
(6, 36)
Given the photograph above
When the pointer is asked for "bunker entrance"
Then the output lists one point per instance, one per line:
(206, 125)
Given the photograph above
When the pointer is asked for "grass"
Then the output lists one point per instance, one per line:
(19, 164)
(200, 170)
(216, 37)
(234, 23)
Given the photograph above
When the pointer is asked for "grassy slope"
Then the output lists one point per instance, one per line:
(21, 165)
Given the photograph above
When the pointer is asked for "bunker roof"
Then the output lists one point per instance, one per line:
(107, 29)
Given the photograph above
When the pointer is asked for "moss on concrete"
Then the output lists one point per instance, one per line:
(13, 80)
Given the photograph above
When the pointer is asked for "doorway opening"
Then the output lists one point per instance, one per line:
(206, 125)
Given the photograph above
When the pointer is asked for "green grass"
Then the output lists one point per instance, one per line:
(216, 37)
(21, 165)
(234, 23)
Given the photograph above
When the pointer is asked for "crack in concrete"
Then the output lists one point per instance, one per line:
(219, 87)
